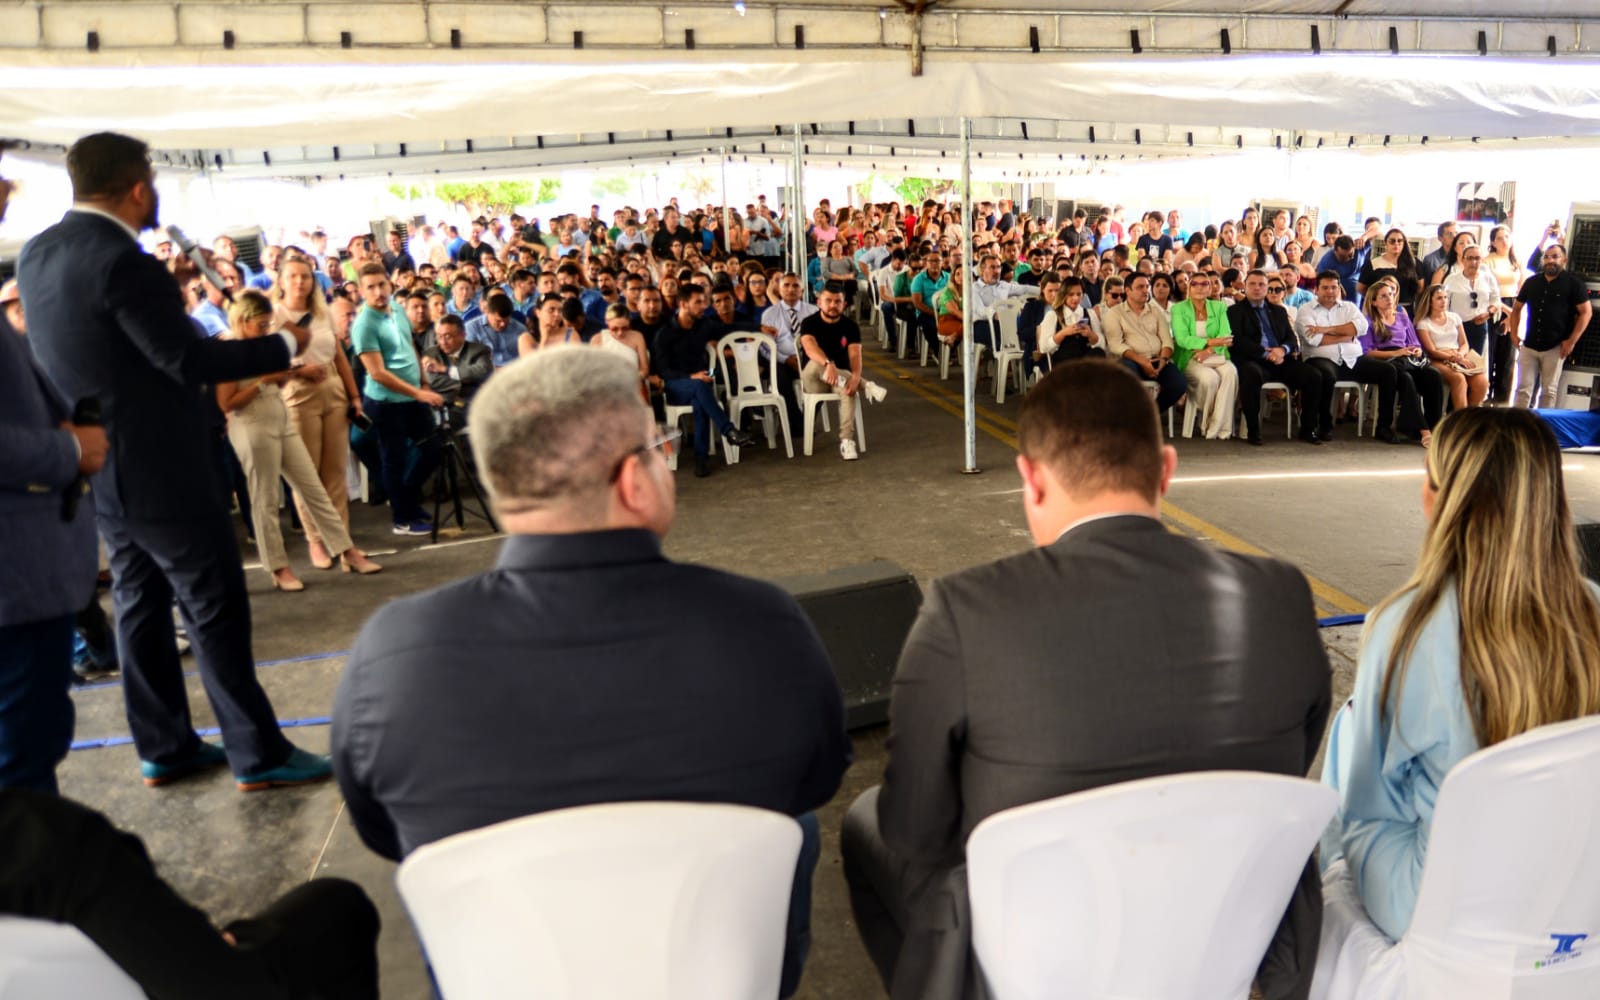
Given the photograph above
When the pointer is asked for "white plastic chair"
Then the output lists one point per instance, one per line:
(41, 960)
(1163, 889)
(643, 900)
(1511, 877)
(1009, 349)
(1154, 389)
(1288, 408)
(676, 413)
(1360, 390)
(748, 388)
(813, 409)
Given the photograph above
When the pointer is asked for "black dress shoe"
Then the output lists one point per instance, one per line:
(1325, 433)
(1309, 437)
(702, 466)
(1254, 439)
(1389, 437)
(738, 438)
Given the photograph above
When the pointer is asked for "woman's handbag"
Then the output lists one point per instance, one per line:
(1474, 365)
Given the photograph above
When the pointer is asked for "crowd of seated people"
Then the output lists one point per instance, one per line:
(1207, 317)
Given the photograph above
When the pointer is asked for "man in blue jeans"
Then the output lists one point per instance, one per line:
(586, 667)
(400, 408)
(682, 360)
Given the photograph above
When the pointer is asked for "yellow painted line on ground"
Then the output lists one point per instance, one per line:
(1328, 598)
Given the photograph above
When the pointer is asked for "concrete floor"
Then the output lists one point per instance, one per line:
(1346, 513)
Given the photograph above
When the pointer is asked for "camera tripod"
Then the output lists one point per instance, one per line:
(453, 470)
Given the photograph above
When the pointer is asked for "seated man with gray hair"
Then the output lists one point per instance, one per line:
(586, 667)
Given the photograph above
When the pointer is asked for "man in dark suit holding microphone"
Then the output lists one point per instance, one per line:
(47, 534)
(107, 323)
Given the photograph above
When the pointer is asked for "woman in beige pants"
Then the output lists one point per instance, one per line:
(319, 394)
(269, 447)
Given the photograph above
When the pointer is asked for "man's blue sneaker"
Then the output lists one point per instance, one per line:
(204, 756)
(302, 768)
(414, 528)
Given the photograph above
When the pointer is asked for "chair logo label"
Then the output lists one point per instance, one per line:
(1566, 950)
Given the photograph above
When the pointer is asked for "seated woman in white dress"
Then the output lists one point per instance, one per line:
(1494, 634)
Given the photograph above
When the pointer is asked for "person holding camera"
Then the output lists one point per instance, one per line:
(456, 367)
(269, 447)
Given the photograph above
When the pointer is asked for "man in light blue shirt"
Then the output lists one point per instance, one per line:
(497, 329)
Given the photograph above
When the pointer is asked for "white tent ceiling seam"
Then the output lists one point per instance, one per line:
(350, 105)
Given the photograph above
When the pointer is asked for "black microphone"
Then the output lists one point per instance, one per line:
(192, 251)
(85, 414)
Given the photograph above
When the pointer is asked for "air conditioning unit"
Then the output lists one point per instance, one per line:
(248, 244)
(381, 227)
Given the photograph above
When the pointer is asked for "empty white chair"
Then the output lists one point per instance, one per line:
(1510, 885)
(1163, 889)
(751, 383)
(1008, 351)
(812, 404)
(1360, 391)
(675, 415)
(642, 900)
(41, 960)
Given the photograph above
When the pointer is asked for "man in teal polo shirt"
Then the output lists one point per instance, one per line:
(396, 401)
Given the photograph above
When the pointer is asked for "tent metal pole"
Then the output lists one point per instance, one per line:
(969, 351)
(727, 213)
(797, 224)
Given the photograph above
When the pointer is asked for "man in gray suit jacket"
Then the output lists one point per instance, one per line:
(1116, 650)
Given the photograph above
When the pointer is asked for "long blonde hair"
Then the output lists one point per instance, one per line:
(1382, 333)
(314, 301)
(1501, 534)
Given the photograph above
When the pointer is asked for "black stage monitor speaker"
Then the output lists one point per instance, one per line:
(863, 614)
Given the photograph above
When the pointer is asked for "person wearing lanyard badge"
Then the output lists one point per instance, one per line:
(396, 401)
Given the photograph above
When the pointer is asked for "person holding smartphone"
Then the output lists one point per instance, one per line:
(1141, 336)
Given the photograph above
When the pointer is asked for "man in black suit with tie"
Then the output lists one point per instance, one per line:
(107, 323)
(1265, 350)
(586, 667)
(1159, 654)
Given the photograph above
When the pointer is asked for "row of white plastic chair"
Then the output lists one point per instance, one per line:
(1164, 889)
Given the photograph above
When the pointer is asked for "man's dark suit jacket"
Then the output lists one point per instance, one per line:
(474, 364)
(106, 321)
(584, 668)
(1246, 327)
(1121, 651)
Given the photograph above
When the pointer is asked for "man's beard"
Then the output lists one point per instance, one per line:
(152, 218)
(1552, 270)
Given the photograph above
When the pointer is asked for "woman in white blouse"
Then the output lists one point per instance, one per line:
(1445, 342)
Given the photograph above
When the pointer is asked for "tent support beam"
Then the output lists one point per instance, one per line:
(969, 350)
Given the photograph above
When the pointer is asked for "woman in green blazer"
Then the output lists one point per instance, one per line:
(1202, 335)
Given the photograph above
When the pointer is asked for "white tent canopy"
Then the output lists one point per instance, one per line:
(323, 88)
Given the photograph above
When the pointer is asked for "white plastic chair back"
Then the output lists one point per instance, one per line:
(40, 960)
(751, 383)
(1509, 903)
(643, 900)
(1008, 353)
(1163, 889)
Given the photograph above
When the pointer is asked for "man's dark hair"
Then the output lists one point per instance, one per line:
(1080, 214)
(520, 274)
(1332, 276)
(106, 165)
(1229, 277)
(419, 295)
(451, 319)
(1256, 272)
(1344, 243)
(1093, 425)
(1442, 227)
(572, 312)
(498, 304)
